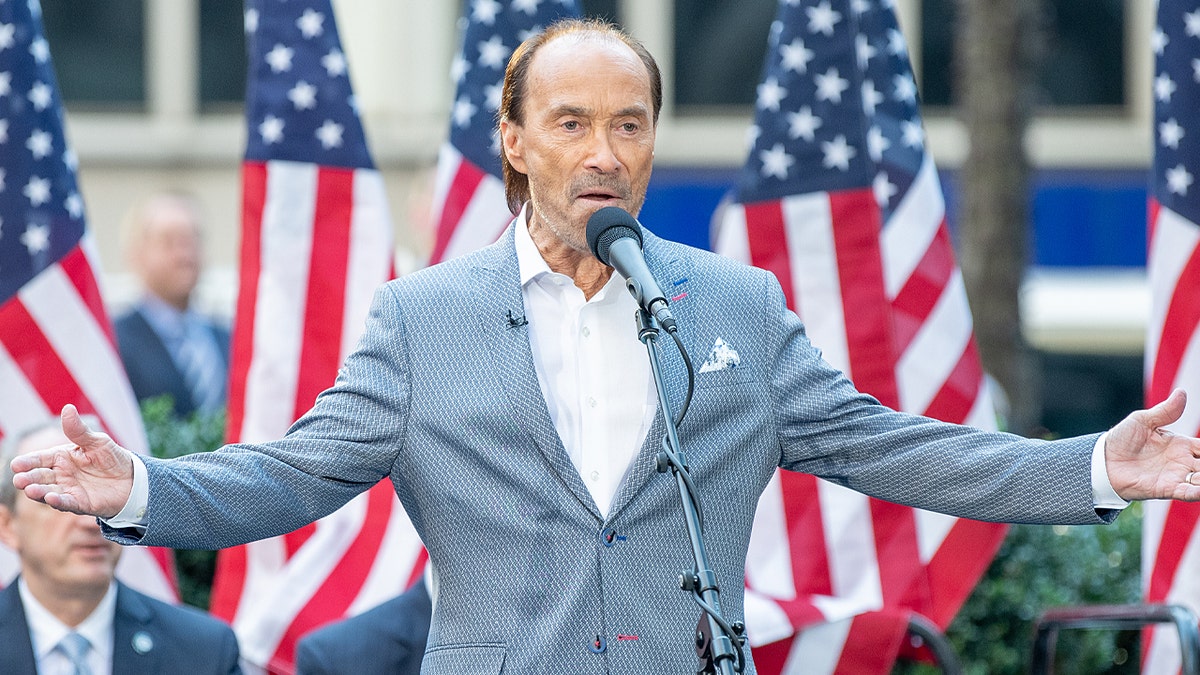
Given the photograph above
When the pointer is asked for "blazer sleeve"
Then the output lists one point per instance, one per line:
(828, 428)
(347, 443)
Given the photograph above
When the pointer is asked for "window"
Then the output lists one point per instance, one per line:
(98, 50)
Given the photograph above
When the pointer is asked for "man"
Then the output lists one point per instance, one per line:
(389, 638)
(166, 346)
(507, 397)
(66, 599)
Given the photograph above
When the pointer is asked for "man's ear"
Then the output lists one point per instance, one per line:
(8, 535)
(512, 142)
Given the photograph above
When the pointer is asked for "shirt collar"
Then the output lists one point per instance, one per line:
(46, 631)
(532, 266)
(530, 262)
(162, 317)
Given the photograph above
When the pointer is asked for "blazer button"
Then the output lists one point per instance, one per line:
(609, 537)
(598, 645)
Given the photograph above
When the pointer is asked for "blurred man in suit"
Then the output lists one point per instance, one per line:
(65, 614)
(167, 347)
(389, 638)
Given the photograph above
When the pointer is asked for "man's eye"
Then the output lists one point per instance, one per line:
(571, 126)
(629, 127)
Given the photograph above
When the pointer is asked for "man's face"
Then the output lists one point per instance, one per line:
(61, 553)
(169, 256)
(587, 140)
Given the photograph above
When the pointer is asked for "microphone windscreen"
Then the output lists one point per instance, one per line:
(608, 225)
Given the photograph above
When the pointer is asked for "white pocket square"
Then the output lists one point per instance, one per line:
(722, 357)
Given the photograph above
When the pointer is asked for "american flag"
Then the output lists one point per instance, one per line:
(469, 206)
(840, 200)
(56, 343)
(1170, 536)
(316, 242)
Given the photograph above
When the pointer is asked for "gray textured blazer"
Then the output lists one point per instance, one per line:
(442, 397)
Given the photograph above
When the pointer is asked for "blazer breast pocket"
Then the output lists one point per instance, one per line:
(742, 373)
(464, 659)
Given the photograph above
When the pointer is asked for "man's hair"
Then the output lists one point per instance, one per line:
(516, 85)
(10, 447)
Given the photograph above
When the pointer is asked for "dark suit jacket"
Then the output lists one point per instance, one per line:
(152, 371)
(180, 639)
(387, 639)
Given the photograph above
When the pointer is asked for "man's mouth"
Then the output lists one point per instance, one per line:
(599, 195)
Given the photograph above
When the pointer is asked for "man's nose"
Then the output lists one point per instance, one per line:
(602, 156)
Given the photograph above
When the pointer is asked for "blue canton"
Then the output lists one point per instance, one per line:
(41, 212)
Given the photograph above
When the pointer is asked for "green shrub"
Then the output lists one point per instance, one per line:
(169, 436)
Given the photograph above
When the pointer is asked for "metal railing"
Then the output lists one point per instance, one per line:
(1115, 617)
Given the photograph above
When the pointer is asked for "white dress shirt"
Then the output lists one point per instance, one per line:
(46, 631)
(593, 371)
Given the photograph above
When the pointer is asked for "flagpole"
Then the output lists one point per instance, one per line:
(718, 643)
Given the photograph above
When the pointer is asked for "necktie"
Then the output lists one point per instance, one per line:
(76, 647)
(200, 365)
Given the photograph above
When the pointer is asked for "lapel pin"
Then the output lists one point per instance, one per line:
(142, 642)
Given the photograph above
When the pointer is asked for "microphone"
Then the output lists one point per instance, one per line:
(615, 238)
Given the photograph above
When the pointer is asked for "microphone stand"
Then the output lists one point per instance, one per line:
(714, 636)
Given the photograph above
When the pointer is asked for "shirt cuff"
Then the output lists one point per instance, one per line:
(1103, 494)
(133, 514)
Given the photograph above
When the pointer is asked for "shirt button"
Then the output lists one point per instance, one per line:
(591, 401)
(586, 331)
(598, 645)
(595, 475)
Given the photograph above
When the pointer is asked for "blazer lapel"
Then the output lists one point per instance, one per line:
(14, 632)
(498, 284)
(673, 277)
(134, 648)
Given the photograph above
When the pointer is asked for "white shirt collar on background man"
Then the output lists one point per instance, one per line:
(46, 631)
(593, 371)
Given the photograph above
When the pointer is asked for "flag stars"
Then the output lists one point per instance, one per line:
(3, 131)
(250, 21)
(491, 96)
(883, 189)
(1164, 87)
(303, 96)
(527, 6)
(1179, 180)
(1158, 41)
(40, 96)
(330, 134)
(463, 112)
(870, 97)
(311, 23)
(830, 86)
(904, 89)
(459, 68)
(8, 34)
(863, 50)
(1196, 69)
(911, 134)
(40, 144)
(776, 161)
(36, 238)
(795, 57)
(877, 143)
(74, 205)
(493, 53)
(40, 50)
(1170, 133)
(70, 159)
(485, 11)
(838, 153)
(334, 63)
(5, 83)
(1191, 22)
(822, 18)
(271, 130)
(803, 124)
(280, 59)
(37, 190)
(896, 45)
(770, 94)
